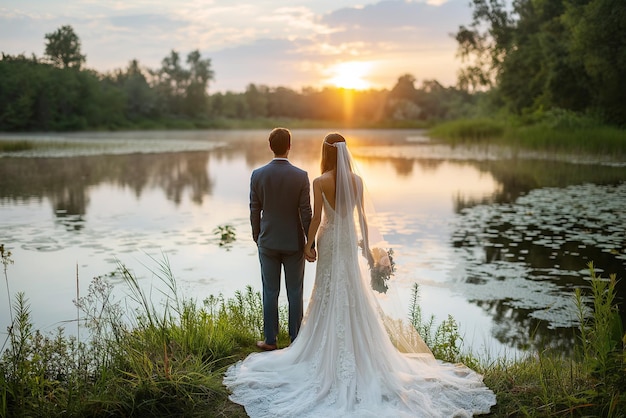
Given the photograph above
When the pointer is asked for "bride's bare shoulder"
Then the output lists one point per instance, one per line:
(325, 177)
(322, 180)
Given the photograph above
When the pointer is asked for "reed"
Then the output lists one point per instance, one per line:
(469, 130)
(589, 383)
(554, 131)
(590, 139)
(5, 258)
(16, 145)
(444, 340)
(140, 359)
(601, 330)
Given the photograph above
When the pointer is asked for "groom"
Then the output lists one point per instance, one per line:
(280, 214)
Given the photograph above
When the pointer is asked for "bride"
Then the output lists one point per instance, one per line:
(343, 362)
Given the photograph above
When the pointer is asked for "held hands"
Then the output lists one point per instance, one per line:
(310, 254)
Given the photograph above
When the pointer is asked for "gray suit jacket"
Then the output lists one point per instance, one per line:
(280, 206)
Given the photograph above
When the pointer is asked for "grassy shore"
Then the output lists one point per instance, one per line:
(553, 131)
(170, 360)
(557, 131)
(8, 145)
(261, 123)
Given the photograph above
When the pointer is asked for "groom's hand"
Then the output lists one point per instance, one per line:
(310, 255)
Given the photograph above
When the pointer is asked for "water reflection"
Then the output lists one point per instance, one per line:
(553, 233)
(519, 176)
(508, 236)
(66, 181)
(516, 327)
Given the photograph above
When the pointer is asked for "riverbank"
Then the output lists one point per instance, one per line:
(9, 145)
(255, 123)
(553, 132)
(558, 132)
(168, 360)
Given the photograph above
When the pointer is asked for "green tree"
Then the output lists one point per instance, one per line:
(544, 54)
(18, 91)
(140, 98)
(200, 73)
(171, 84)
(401, 101)
(229, 105)
(63, 48)
(326, 104)
(597, 43)
(370, 105)
(256, 98)
(484, 44)
(285, 102)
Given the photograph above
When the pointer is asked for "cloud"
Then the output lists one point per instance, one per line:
(261, 42)
(271, 62)
(396, 21)
(19, 34)
(147, 22)
(397, 37)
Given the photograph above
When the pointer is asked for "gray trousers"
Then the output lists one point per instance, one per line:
(271, 263)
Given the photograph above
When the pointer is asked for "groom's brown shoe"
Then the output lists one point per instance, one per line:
(266, 347)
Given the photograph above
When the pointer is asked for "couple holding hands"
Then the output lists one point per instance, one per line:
(346, 360)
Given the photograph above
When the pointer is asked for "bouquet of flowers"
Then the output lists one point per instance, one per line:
(382, 267)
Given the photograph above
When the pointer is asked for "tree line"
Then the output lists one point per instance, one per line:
(56, 93)
(534, 55)
(523, 58)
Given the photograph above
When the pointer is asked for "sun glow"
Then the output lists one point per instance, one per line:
(350, 75)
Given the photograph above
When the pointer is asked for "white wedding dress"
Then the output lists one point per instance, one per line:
(343, 363)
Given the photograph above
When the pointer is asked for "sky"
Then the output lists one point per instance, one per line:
(295, 44)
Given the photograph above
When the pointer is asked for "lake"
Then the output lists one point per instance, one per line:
(496, 237)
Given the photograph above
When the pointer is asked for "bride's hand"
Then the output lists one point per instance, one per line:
(367, 253)
(310, 254)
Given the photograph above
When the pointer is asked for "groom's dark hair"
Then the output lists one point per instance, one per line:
(280, 140)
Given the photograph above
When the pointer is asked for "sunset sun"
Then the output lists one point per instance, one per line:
(350, 75)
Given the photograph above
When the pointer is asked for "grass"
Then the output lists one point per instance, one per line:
(593, 139)
(556, 130)
(168, 360)
(15, 145)
(591, 383)
(269, 123)
(469, 130)
(179, 123)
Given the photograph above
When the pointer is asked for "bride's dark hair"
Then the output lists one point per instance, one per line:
(329, 152)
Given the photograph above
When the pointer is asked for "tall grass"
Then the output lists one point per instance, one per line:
(149, 360)
(554, 130)
(588, 384)
(16, 145)
(601, 329)
(444, 340)
(168, 359)
(469, 130)
(593, 139)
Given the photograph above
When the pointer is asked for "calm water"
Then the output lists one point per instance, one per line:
(496, 238)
